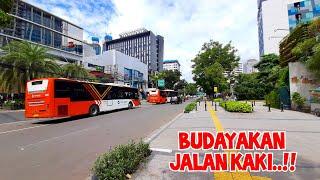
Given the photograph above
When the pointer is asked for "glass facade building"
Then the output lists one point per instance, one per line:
(141, 44)
(63, 39)
(303, 12)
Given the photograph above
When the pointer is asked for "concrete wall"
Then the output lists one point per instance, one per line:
(301, 80)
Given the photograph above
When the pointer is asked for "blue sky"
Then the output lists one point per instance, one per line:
(185, 25)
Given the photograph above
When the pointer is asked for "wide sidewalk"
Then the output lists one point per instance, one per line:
(303, 136)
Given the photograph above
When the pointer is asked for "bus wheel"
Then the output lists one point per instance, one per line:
(130, 105)
(93, 110)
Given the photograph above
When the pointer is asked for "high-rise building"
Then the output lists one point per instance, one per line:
(141, 44)
(303, 12)
(273, 25)
(171, 65)
(62, 38)
(248, 67)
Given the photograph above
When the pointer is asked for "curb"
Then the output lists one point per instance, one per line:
(157, 132)
(9, 111)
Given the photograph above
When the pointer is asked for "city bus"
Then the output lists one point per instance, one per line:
(60, 98)
(157, 96)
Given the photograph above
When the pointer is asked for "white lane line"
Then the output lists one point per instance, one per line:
(161, 150)
(54, 138)
(17, 130)
(20, 122)
(10, 111)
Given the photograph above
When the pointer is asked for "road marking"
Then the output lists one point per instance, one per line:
(12, 111)
(157, 132)
(161, 150)
(230, 175)
(17, 130)
(54, 138)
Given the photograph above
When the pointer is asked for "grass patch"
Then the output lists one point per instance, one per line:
(190, 107)
(122, 160)
(236, 106)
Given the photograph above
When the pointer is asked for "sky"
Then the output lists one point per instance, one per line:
(185, 25)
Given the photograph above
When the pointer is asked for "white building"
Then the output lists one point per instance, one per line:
(236, 71)
(248, 67)
(171, 65)
(273, 24)
(125, 69)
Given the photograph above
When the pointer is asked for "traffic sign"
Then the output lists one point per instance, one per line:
(161, 83)
(215, 89)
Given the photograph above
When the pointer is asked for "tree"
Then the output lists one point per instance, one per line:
(248, 87)
(74, 70)
(22, 62)
(191, 89)
(5, 7)
(171, 77)
(210, 64)
(268, 74)
(180, 85)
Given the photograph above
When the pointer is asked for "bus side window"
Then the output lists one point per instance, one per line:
(79, 93)
(62, 89)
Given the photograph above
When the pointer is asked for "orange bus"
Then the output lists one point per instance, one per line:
(60, 98)
(157, 96)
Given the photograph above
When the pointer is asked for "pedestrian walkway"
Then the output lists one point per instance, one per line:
(302, 136)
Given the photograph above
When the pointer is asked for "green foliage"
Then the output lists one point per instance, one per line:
(236, 106)
(190, 107)
(180, 85)
(273, 98)
(171, 77)
(218, 100)
(29, 61)
(122, 160)
(298, 100)
(13, 104)
(5, 7)
(73, 70)
(248, 87)
(191, 89)
(210, 64)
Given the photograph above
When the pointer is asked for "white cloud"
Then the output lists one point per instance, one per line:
(185, 25)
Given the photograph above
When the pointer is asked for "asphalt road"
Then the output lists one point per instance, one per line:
(67, 149)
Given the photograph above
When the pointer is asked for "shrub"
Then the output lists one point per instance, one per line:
(236, 106)
(218, 100)
(122, 160)
(298, 100)
(190, 107)
(273, 98)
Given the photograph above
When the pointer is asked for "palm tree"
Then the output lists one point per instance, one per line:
(74, 70)
(22, 62)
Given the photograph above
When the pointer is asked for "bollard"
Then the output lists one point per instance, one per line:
(196, 106)
(225, 106)
(212, 103)
(269, 107)
(215, 106)
(281, 106)
(205, 106)
(252, 105)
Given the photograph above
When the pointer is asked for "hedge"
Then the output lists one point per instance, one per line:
(190, 107)
(236, 106)
(122, 160)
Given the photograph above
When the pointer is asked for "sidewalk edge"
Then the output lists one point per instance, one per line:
(157, 132)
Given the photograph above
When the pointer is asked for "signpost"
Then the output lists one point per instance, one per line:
(161, 83)
(215, 89)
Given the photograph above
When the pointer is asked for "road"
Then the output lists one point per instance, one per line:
(67, 149)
